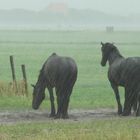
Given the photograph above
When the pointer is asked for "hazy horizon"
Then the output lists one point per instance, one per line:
(119, 7)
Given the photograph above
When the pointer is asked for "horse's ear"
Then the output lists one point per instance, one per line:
(102, 43)
(33, 85)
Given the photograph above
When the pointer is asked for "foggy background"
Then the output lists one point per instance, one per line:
(69, 14)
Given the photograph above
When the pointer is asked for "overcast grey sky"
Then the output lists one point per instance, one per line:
(123, 7)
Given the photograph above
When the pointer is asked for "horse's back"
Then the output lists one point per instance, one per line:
(60, 69)
(125, 70)
(61, 64)
(130, 70)
(131, 66)
(132, 61)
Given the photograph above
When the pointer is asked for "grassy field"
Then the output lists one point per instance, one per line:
(92, 89)
(113, 129)
(32, 48)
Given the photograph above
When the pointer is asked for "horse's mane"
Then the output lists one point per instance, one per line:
(115, 50)
(41, 77)
(41, 74)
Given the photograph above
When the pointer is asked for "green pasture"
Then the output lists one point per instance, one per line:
(92, 89)
(32, 48)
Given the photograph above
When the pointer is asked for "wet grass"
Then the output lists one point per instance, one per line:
(92, 89)
(32, 48)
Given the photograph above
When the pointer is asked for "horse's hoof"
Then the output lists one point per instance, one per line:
(57, 116)
(51, 115)
(137, 114)
(65, 117)
(125, 114)
(119, 112)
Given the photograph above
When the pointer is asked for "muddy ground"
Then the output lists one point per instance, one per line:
(10, 117)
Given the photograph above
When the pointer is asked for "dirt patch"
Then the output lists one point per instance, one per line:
(8, 117)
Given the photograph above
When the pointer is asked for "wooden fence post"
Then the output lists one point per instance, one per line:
(25, 79)
(13, 73)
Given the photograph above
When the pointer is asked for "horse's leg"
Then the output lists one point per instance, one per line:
(135, 105)
(127, 107)
(138, 110)
(63, 100)
(59, 102)
(116, 91)
(66, 102)
(129, 101)
(52, 114)
(68, 91)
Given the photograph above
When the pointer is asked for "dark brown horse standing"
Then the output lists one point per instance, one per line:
(123, 72)
(59, 73)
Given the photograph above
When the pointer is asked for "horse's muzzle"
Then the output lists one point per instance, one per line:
(35, 107)
(103, 64)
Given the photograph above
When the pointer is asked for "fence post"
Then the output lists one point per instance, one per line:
(25, 79)
(13, 73)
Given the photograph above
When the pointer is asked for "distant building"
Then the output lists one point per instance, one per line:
(61, 8)
(110, 29)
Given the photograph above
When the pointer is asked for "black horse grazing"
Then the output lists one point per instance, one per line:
(59, 73)
(123, 72)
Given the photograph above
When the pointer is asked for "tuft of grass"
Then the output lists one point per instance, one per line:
(12, 88)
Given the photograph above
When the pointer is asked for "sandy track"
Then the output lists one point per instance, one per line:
(8, 117)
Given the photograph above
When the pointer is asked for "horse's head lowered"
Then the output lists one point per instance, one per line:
(38, 95)
(106, 50)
